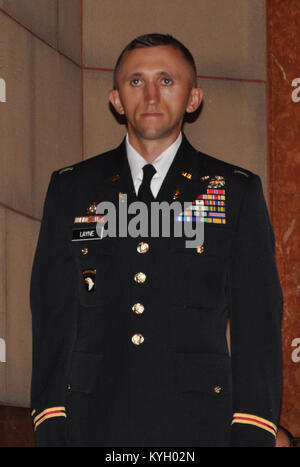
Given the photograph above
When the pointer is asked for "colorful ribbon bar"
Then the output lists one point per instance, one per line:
(88, 219)
(217, 197)
(211, 191)
(211, 220)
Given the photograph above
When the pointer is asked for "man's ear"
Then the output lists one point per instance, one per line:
(114, 98)
(195, 100)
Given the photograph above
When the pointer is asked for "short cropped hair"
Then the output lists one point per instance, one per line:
(154, 40)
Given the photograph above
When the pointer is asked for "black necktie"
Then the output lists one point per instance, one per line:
(145, 193)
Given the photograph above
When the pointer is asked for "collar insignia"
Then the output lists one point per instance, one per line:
(115, 178)
(187, 175)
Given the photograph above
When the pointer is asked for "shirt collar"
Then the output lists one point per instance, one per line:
(161, 163)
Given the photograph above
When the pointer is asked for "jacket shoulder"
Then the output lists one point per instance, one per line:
(225, 168)
(99, 164)
(235, 176)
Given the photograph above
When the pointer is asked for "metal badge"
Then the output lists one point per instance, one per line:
(92, 209)
(176, 194)
(187, 175)
(216, 182)
(115, 177)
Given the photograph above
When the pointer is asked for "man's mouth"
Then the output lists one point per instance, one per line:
(151, 114)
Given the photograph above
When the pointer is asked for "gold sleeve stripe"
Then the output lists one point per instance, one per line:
(49, 413)
(260, 422)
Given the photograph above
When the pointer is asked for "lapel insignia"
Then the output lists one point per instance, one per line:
(216, 182)
(115, 178)
(92, 209)
(89, 276)
(187, 175)
(208, 207)
(176, 194)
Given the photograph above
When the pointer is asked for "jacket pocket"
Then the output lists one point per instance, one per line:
(199, 278)
(208, 374)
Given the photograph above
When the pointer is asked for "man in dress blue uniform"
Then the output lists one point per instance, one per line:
(129, 333)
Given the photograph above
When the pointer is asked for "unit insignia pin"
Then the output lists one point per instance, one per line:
(177, 193)
(115, 177)
(92, 209)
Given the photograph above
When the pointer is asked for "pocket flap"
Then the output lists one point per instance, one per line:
(206, 373)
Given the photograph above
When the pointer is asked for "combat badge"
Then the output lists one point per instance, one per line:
(216, 182)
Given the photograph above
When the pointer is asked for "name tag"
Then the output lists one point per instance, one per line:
(85, 234)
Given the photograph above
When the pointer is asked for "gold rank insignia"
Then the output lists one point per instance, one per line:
(187, 175)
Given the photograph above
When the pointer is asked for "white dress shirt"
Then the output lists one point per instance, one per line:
(162, 164)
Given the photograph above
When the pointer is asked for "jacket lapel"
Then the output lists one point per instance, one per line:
(183, 180)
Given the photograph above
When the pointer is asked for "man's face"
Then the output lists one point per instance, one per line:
(155, 89)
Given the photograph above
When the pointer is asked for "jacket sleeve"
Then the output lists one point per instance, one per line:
(52, 304)
(255, 321)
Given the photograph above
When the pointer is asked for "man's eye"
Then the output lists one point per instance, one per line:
(167, 81)
(135, 82)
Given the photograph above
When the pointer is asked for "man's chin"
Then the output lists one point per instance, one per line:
(153, 134)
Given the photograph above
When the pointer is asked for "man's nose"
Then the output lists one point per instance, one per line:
(151, 93)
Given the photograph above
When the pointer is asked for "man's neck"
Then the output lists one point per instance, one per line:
(151, 149)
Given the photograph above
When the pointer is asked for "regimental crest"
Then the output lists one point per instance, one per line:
(92, 209)
(176, 194)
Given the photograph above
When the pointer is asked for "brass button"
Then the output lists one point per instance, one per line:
(84, 251)
(137, 339)
(138, 308)
(200, 249)
(217, 389)
(143, 247)
(140, 277)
